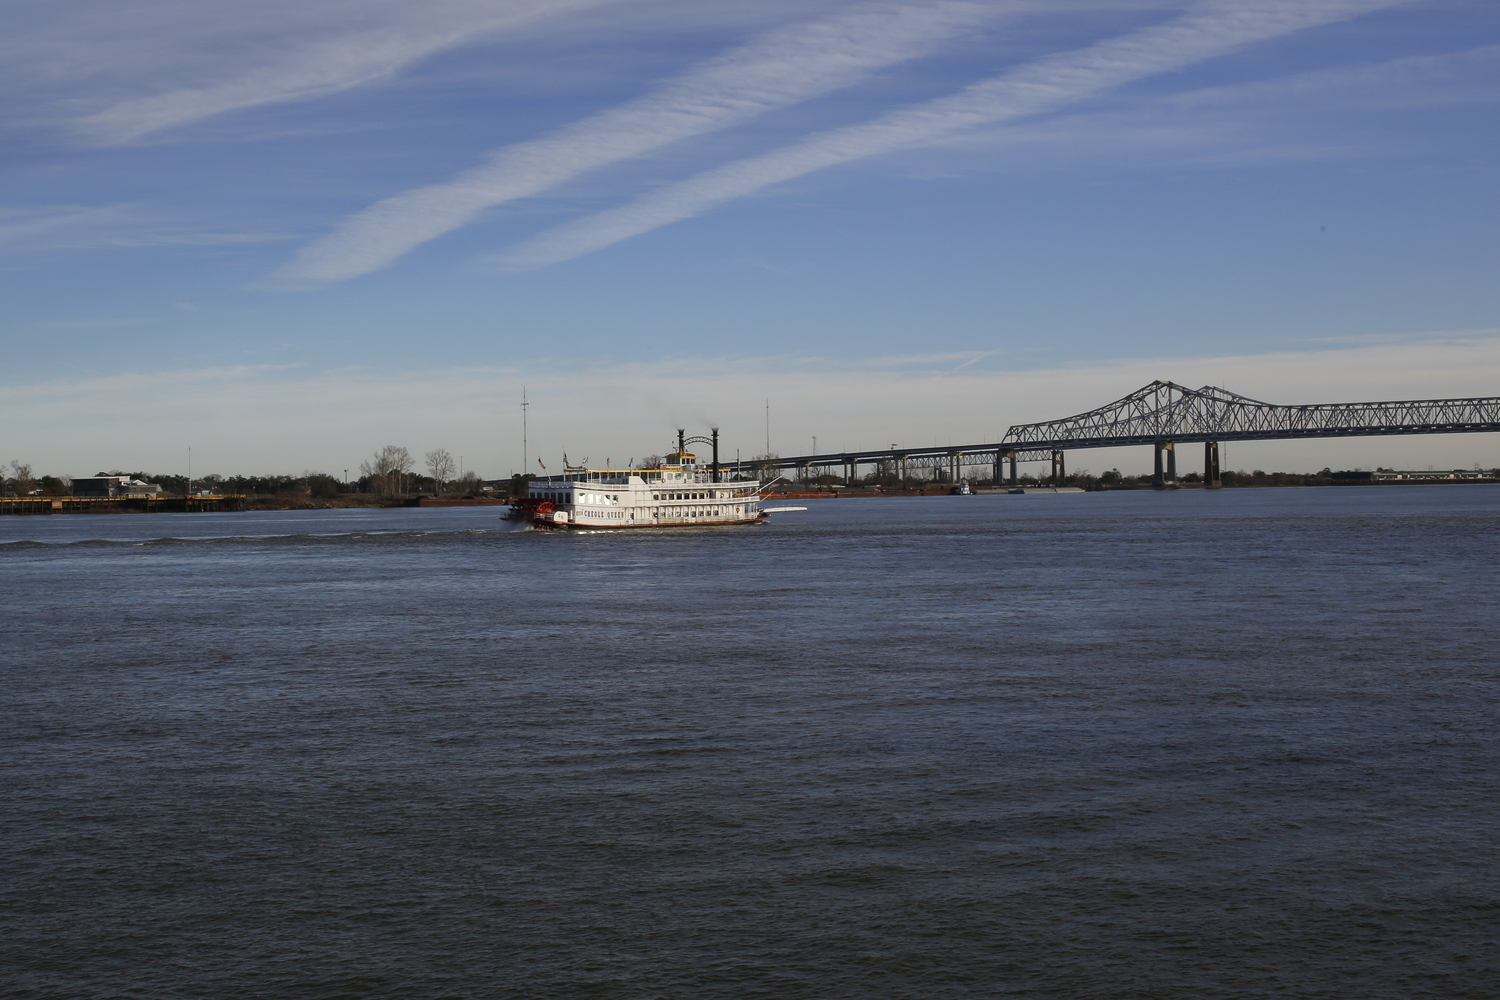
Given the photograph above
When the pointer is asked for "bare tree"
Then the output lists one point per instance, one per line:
(25, 482)
(765, 471)
(441, 467)
(388, 469)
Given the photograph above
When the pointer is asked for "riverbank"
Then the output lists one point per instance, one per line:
(159, 504)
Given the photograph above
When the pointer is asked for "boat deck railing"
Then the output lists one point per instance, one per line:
(621, 477)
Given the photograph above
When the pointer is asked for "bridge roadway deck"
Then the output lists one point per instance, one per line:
(1041, 451)
(895, 456)
(1164, 413)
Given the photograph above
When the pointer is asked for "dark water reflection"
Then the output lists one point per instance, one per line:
(1127, 745)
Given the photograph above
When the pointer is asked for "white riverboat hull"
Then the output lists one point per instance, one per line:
(553, 525)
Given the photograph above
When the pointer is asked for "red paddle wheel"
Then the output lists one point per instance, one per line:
(528, 508)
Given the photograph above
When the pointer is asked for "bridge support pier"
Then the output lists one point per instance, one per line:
(901, 460)
(851, 473)
(1171, 447)
(1059, 468)
(1012, 456)
(1211, 480)
(1158, 478)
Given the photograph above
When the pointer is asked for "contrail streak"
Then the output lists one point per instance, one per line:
(783, 68)
(1043, 85)
(327, 67)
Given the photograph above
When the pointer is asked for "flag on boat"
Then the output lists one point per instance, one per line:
(542, 464)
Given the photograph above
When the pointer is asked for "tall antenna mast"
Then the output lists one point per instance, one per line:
(768, 428)
(525, 457)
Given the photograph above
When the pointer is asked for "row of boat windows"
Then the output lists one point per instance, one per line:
(676, 512)
(585, 498)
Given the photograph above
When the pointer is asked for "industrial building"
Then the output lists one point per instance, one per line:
(113, 486)
(1397, 476)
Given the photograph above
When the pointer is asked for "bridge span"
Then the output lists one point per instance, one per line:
(1163, 415)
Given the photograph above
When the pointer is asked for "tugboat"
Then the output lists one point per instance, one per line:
(678, 494)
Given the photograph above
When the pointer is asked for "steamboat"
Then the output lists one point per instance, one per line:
(680, 493)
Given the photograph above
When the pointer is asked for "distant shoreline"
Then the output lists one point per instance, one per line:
(238, 504)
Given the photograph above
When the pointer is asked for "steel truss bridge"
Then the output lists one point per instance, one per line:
(1163, 415)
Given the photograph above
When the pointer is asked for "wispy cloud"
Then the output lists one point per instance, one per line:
(1045, 85)
(95, 324)
(1463, 77)
(1284, 119)
(74, 227)
(306, 69)
(974, 360)
(31, 225)
(785, 67)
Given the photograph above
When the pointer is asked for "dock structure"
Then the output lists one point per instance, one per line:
(1163, 415)
(150, 504)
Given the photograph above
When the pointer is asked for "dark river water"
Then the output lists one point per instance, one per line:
(1128, 745)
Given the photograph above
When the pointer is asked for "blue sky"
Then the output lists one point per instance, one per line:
(286, 234)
